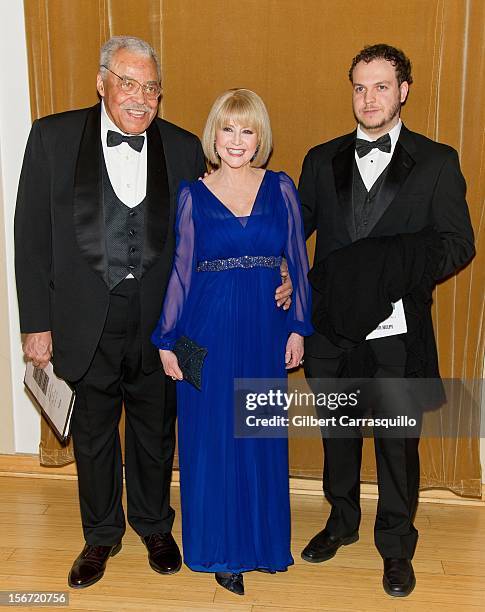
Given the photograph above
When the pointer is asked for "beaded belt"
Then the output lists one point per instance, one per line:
(246, 261)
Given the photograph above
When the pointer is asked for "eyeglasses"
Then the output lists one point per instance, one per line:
(151, 89)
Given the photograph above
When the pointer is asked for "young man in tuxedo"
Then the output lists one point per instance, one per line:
(382, 180)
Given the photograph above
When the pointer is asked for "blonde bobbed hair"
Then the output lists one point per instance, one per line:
(244, 107)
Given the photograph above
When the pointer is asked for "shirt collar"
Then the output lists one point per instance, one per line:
(394, 134)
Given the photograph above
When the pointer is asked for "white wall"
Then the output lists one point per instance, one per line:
(14, 129)
(7, 442)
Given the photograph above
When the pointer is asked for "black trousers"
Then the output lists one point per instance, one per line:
(115, 377)
(397, 462)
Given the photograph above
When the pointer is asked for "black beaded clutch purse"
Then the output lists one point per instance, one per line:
(190, 357)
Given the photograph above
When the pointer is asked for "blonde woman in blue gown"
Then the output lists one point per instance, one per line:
(233, 227)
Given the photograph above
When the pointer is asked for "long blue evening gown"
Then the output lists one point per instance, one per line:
(234, 491)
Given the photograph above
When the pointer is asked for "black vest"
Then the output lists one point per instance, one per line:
(124, 234)
(365, 203)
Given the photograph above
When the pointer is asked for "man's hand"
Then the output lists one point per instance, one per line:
(284, 291)
(206, 174)
(38, 348)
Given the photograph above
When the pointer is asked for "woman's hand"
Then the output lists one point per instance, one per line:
(294, 351)
(171, 365)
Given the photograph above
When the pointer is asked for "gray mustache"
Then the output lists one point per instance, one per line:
(135, 107)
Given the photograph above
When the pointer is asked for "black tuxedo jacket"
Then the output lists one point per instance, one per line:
(424, 187)
(60, 257)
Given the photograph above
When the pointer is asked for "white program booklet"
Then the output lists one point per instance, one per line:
(54, 396)
(393, 325)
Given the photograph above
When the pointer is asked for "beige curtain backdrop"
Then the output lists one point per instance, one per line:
(296, 54)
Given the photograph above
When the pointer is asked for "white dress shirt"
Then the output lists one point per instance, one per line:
(127, 169)
(374, 163)
(371, 166)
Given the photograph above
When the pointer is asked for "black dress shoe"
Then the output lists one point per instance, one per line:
(231, 582)
(324, 546)
(265, 571)
(398, 579)
(89, 567)
(163, 553)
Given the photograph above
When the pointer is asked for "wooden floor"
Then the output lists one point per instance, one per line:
(41, 536)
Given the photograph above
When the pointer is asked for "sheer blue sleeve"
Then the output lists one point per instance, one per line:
(299, 314)
(166, 333)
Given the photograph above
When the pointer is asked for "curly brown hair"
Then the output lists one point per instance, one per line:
(396, 57)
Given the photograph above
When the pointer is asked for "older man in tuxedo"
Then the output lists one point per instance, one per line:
(94, 235)
(379, 190)
(94, 245)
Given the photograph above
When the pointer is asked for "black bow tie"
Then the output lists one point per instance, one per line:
(365, 146)
(114, 139)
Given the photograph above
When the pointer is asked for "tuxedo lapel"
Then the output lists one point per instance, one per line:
(398, 170)
(343, 164)
(157, 204)
(88, 197)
